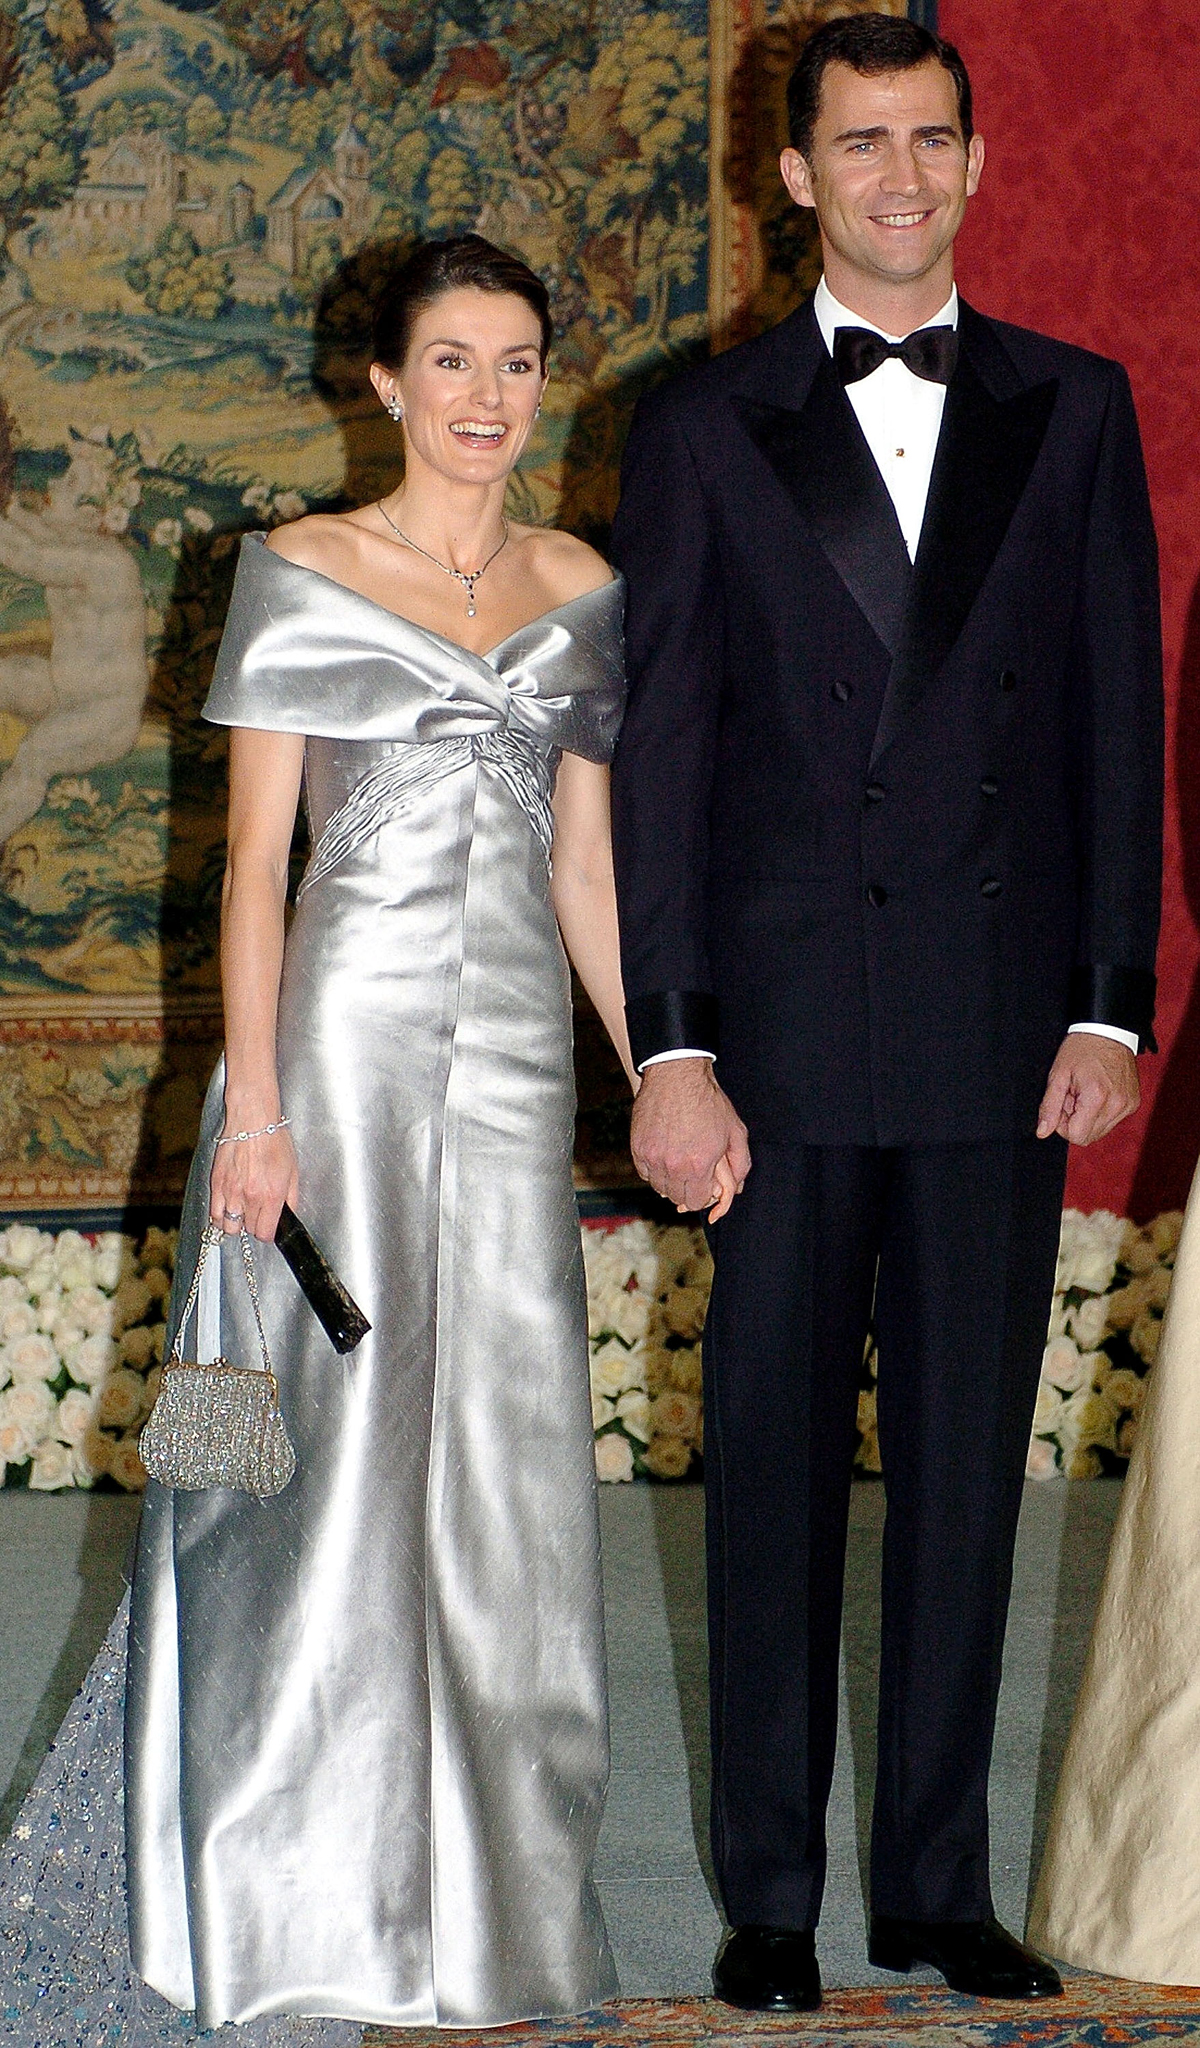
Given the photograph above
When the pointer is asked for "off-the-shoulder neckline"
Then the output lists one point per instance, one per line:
(429, 633)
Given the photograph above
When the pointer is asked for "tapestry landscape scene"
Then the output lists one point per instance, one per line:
(197, 201)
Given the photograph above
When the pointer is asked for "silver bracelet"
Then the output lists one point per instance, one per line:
(267, 1131)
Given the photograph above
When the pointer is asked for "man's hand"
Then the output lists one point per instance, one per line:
(1093, 1085)
(687, 1138)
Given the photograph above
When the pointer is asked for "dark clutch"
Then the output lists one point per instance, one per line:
(338, 1313)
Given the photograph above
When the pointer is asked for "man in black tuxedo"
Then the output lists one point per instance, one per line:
(887, 811)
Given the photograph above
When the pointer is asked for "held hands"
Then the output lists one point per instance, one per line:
(251, 1180)
(1093, 1086)
(687, 1139)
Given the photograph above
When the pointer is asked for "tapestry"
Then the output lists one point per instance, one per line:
(197, 201)
(197, 197)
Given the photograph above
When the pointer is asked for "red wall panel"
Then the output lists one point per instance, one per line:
(1087, 225)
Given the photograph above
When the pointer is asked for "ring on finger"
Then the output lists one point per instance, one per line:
(235, 1215)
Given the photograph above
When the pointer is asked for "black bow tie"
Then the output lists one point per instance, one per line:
(930, 353)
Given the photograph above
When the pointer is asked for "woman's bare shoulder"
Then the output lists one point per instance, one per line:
(565, 566)
(321, 540)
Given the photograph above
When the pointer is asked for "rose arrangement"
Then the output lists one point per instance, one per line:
(82, 1326)
(81, 1335)
(647, 1294)
(1110, 1293)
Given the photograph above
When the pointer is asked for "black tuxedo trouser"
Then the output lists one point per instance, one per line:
(963, 1239)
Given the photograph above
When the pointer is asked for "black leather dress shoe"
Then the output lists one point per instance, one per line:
(768, 1969)
(975, 1956)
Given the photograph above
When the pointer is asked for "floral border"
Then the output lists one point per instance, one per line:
(82, 1327)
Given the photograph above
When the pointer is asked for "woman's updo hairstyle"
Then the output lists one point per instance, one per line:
(437, 267)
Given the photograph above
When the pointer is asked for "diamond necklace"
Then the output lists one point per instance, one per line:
(467, 577)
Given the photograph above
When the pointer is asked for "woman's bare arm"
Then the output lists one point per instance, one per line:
(584, 895)
(255, 1177)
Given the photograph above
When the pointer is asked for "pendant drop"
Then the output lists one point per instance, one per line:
(470, 611)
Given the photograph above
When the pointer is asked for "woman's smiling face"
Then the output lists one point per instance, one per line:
(470, 384)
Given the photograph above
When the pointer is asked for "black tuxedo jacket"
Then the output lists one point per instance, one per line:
(887, 829)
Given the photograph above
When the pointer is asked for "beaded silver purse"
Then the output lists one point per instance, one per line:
(217, 1424)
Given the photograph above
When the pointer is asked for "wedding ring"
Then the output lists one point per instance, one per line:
(235, 1215)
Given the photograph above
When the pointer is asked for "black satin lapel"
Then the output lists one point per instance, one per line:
(986, 452)
(820, 456)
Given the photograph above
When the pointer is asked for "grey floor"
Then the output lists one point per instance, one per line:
(61, 1577)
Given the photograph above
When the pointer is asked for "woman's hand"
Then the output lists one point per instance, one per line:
(252, 1178)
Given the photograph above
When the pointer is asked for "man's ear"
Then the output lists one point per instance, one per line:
(975, 155)
(794, 171)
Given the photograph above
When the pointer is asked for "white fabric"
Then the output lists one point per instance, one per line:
(1127, 1038)
(900, 414)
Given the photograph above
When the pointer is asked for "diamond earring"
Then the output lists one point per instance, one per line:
(394, 408)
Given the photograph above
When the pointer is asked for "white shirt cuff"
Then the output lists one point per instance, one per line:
(678, 1052)
(1129, 1038)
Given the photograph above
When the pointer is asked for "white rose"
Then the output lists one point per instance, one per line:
(31, 1407)
(13, 1447)
(1042, 1461)
(90, 1360)
(13, 1292)
(614, 1457)
(1062, 1365)
(634, 1411)
(33, 1357)
(258, 496)
(626, 1314)
(49, 1309)
(51, 1468)
(74, 1418)
(198, 519)
(167, 534)
(603, 1411)
(1097, 1247)
(290, 505)
(615, 1369)
(74, 1260)
(120, 1400)
(88, 1307)
(20, 1245)
(1047, 1409)
(125, 1464)
(41, 1275)
(81, 1467)
(112, 1253)
(17, 1320)
(1090, 1321)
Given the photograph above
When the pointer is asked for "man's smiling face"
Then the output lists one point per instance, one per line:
(889, 176)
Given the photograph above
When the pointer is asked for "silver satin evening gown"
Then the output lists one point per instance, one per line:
(365, 1721)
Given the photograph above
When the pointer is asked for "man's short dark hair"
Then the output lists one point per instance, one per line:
(872, 45)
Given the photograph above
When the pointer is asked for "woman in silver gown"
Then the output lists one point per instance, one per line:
(365, 1727)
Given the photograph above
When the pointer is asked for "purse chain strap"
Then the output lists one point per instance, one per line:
(213, 1235)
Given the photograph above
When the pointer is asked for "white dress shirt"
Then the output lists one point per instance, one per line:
(901, 417)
